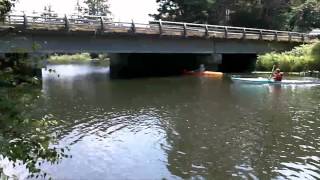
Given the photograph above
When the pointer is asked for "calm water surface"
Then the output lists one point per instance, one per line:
(181, 127)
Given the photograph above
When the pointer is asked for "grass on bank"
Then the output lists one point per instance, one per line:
(79, 58)
(302, 58)
(67, 59)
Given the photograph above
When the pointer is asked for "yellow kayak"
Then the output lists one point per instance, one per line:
(205, 73)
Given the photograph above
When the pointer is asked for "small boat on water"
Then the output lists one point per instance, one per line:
(212, 74)
(261, 80)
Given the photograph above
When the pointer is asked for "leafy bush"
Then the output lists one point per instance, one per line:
(66, 59)
(24, 139)
(302, 58)
(82, 58)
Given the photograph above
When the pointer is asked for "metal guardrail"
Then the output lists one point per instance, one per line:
(104, 25)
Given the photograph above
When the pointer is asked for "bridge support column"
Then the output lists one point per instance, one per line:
(118, 65)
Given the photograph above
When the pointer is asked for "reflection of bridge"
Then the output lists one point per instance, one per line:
(98, 34)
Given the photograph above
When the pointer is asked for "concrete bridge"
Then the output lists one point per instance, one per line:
(212, 44)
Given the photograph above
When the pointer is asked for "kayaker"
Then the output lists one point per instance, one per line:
(201, 68)
(198, 71)
(277, 75)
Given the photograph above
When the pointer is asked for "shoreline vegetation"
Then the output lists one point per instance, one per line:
(25, 140)
(303, 58)
(79, 58)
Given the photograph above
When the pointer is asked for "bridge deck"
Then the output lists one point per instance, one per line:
(102, 26)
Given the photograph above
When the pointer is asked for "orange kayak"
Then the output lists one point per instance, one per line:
(205, 73)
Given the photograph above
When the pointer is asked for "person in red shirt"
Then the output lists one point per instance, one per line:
(277, 75)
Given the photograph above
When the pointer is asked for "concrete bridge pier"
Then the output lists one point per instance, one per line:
(118, 65)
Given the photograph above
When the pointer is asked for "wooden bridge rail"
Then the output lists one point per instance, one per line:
(104, 25)
(230, 30)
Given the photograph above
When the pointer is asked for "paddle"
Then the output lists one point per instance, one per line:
(272, 72)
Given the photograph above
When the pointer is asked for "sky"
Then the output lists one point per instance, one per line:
(123, 10)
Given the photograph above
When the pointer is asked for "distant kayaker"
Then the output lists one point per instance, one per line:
(198, 71)
(201, 68)
(277, 75)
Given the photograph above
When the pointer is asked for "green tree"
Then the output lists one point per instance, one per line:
(48, 12)
(97, 7)
(5, 7)
(196, 11)
(79, 9)
(271, 14)
(301, 58)
(306, 16)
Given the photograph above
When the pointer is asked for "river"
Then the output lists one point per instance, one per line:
(180, 127)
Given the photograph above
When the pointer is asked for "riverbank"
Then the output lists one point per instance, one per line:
(79, 58)
(303, 58)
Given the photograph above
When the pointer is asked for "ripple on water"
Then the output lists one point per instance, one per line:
(184, 128)
(122, 139)
(303, 170)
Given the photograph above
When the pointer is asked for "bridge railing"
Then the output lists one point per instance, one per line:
(229, 31)
(104, 25)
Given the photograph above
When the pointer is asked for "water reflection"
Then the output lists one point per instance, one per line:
(283, 150)
(181, 127)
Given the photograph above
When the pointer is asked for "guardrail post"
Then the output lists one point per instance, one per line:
(160, 26)
(302, 37)
(66, 23)
(244, 33)
(25, 21)
(206, 30)
(101, 24)
(290, 36)
(276, 35)
(133, 27)
(260, 35)
(226, 32)
(185, 30)
(2, 175)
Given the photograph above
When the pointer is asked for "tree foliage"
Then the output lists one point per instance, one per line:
(5, 7)
(48, 12)
(23, 139)
(97, 7)
(197, 11)
(306, 16)
(270, 14)
(302, 58)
